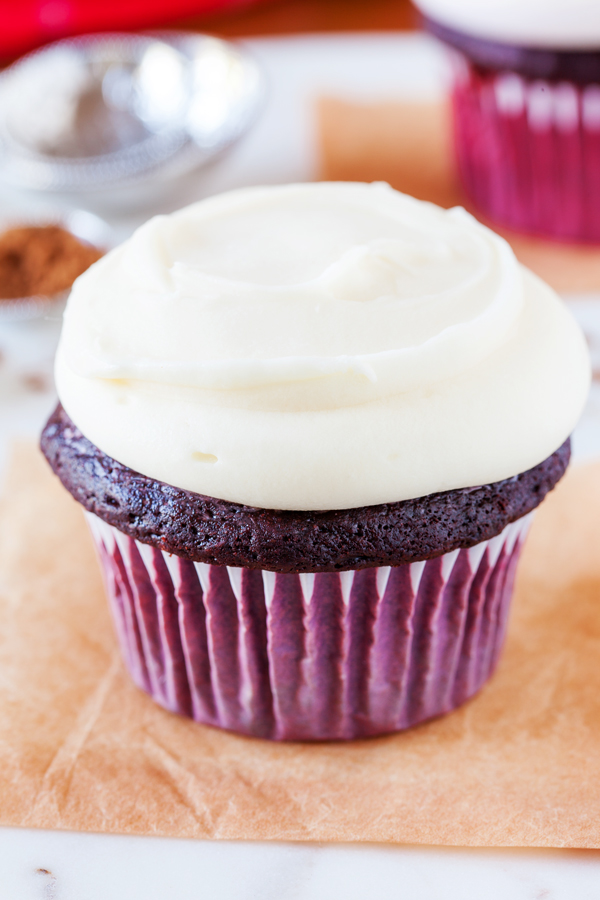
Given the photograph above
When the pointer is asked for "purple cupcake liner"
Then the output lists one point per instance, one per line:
(324, 656)
(528, 151)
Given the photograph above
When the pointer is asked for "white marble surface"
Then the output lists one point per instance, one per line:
(66, 866)
(49, 866)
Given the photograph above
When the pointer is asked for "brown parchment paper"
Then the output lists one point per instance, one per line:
(81, 748)
(410, 146)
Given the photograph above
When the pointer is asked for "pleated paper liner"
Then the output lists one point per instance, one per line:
(311, 656)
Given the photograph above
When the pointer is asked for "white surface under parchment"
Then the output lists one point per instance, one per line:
(44, 865)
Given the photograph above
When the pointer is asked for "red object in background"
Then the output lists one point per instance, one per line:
(25, 24)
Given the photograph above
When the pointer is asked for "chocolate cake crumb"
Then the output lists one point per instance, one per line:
(204, 529)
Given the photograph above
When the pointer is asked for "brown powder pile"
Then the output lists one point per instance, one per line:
(41, 260)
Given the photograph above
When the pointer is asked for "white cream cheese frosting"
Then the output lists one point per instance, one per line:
(558, 24)
(320, 346)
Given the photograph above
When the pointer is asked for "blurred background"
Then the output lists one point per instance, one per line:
(28, 24)
(113, 112)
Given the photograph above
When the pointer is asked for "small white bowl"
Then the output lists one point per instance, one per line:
(85, 226)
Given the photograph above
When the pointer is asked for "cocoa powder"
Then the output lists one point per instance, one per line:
(41, 260)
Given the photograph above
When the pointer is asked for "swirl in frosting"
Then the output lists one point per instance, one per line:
(554, 24)
(319, 346)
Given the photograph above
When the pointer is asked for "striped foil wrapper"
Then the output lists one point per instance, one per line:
(529, 151)
(311, 656)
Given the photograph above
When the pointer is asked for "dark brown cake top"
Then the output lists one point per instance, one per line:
(554, 64)
(208, 530)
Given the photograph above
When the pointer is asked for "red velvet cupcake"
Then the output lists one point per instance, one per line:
(526, 103)
(309, 425)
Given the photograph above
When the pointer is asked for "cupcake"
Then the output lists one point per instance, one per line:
(526, 104)
(309, 425)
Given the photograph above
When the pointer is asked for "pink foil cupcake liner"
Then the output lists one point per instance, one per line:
(529, 151)
(311, 656)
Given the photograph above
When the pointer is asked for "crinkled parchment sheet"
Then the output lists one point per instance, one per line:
(82, 748)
